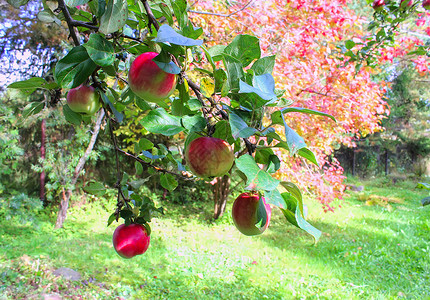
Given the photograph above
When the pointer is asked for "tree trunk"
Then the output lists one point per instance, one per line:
(64, 204)
(42, 156)
(221, 190)
(354, 157)
(387, 162)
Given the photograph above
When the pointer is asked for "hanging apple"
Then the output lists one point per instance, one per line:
(130, 240)
(209, 157)
(148, 81)
(83, 99)
(251, 215)
(378, 5)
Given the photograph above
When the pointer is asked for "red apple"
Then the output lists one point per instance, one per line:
(209, 157)
(378, 4)
(148, 81)
(83, 99)
(251, 215)
(426, 4)
(130, 240)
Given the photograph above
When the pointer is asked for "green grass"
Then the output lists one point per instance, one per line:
(378, 251)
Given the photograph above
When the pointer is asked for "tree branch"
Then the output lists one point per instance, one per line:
(222, 15)
(151, 17)
(69, 20)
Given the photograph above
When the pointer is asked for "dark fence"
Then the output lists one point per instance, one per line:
(365, 161)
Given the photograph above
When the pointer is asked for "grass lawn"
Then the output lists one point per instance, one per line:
(375, 246)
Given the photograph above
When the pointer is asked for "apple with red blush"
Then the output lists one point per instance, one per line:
(131, 240)
(251, 214)
(148, 81)
(209, 157)
(83, 99)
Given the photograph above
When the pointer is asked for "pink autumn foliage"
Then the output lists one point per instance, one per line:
(303, 35)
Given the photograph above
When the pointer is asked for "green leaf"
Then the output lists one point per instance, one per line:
(74, 68)
(47, 16)
(95, 188)
(264, 65)
(115, 16)
(159, 121)
(295, 142)
(32, 109)
(194, 123)
(112, 218)
(143, 144)
(149, 155)
(309, 155)
(234, 71)
(295, 192)
(207, 87)
(257, 179)
(168, 182)
(296, 219)
(180, 12)
(244, 48)
(274, 197)
(261, 214)
(30, 85)
(17, 3)
(262, 85)
(164, 62)
(100, 50)
(423, 185)
(266, 157)
(139, 168)
(239, 128)
(119, 116)
(71, 116)
(307, 111)
(223, 131)
(349, 44)
(167, 34)
(126, 214)
(74, 3)
(216, 52)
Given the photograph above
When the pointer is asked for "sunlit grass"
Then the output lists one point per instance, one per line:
(377, 249)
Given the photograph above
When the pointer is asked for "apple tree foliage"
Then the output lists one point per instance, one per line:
(234, 94)
(227, 88)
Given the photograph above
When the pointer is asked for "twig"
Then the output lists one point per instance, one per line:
(69, 20)
(151, 17)
(222, 15)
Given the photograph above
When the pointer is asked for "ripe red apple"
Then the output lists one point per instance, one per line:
(251, 215)
(426, 4)
(148, 81)
(378, 4)
(83, 99)
(209, 157)
(130, 240)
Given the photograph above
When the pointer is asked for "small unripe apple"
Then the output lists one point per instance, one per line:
(378, 5)
(426, 4)
(83, 99)
(147, 80)
(251, 215)
(130, 240)
(209, 157)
